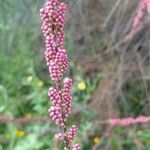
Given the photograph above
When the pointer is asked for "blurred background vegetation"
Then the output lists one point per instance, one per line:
(106, 85)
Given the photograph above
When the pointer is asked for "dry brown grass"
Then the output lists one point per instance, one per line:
(120, 54)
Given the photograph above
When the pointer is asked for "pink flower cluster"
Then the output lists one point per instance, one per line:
(61, 103)
(59, 137)
(128, 121)
(72, 132)
(53, 22)
(76, 147)
(144, 5)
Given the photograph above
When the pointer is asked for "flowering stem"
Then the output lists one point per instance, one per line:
(66, 141)
(64, 129)
(53, 22)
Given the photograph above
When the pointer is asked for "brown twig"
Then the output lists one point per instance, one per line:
(128, 37)
(24, 120)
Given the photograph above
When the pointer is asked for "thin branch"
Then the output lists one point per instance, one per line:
(128, 37)
(111, 13)
(23, 120)
(112, 122)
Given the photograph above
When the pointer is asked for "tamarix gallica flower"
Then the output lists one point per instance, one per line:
(128, 121)
(53, 22)
(144, 5)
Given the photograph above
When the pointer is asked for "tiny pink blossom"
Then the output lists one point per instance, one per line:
(59, 137)
(76, 147)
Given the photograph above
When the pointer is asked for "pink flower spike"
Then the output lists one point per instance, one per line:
(53, 20)
(72, 132)
(144, 5)
(128, 121)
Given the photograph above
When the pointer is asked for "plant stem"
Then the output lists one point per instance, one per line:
(64, 129)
